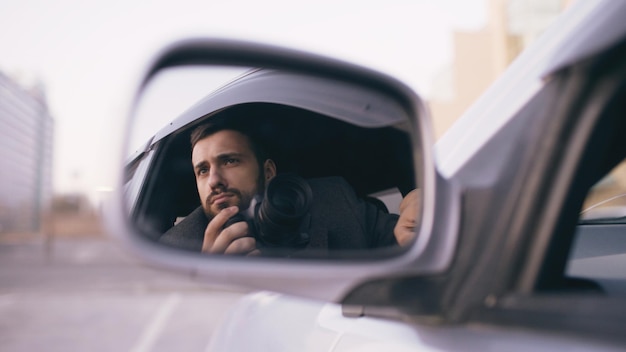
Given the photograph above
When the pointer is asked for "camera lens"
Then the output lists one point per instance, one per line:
(287, 200)
(288, 197)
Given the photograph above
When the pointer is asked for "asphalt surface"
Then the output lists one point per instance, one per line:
(90, 295)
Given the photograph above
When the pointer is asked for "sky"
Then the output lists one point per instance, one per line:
(90, 55)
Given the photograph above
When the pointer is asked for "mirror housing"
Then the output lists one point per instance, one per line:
(330, 280)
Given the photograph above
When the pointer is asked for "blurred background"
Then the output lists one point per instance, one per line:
(68, 72)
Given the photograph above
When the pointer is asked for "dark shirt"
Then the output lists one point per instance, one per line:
(337, 220)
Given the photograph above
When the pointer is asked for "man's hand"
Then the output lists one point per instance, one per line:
(409, 212)
(231, 240)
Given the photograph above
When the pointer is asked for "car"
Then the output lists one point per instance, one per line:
(519, 242)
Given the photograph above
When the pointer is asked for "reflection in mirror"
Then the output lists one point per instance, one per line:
(172, 92)
(232, 160)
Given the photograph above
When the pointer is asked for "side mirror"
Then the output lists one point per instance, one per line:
(346, 145)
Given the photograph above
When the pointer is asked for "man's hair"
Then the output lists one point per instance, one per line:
(229, 120)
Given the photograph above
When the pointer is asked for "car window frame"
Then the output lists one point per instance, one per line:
(520, 296)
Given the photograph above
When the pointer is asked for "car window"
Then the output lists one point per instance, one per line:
(134, 178)
(598, 255)
(312, 165)
(316, 147)
(587, 251)
(606, 200)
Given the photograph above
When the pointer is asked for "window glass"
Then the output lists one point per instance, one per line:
(606, 200)
(598, 256)
(134, 180)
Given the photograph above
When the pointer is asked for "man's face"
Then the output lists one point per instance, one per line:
(227, 171)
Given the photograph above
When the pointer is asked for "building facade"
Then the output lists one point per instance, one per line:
(482, 55)
(26, 137)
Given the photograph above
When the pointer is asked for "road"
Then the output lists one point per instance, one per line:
(87, 294)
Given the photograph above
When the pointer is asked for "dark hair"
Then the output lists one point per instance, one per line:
(229, 120)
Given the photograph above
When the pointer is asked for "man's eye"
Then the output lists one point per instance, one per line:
(202, 171)
(231, 161)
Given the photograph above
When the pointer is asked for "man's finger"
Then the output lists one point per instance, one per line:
(229, 235)
(254, 253)
(410, 200)
(243, 245)
(215, 227)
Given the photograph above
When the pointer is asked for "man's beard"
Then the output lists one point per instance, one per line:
(242, 200)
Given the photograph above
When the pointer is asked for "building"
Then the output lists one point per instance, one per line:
(481, 56)
(25, 157)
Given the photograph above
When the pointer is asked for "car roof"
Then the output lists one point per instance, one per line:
(348, 102)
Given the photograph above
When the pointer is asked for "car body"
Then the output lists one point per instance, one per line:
(503, 259)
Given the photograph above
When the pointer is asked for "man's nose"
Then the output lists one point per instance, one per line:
(216, 179)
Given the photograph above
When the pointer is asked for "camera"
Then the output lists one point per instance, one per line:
(277, 219)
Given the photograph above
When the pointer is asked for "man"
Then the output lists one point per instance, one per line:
(232, 170)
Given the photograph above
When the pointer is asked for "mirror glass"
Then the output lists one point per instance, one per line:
(253, 161)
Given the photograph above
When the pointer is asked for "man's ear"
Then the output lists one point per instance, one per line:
(269, 169)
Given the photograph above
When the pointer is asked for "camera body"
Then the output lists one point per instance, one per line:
(277, 218)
